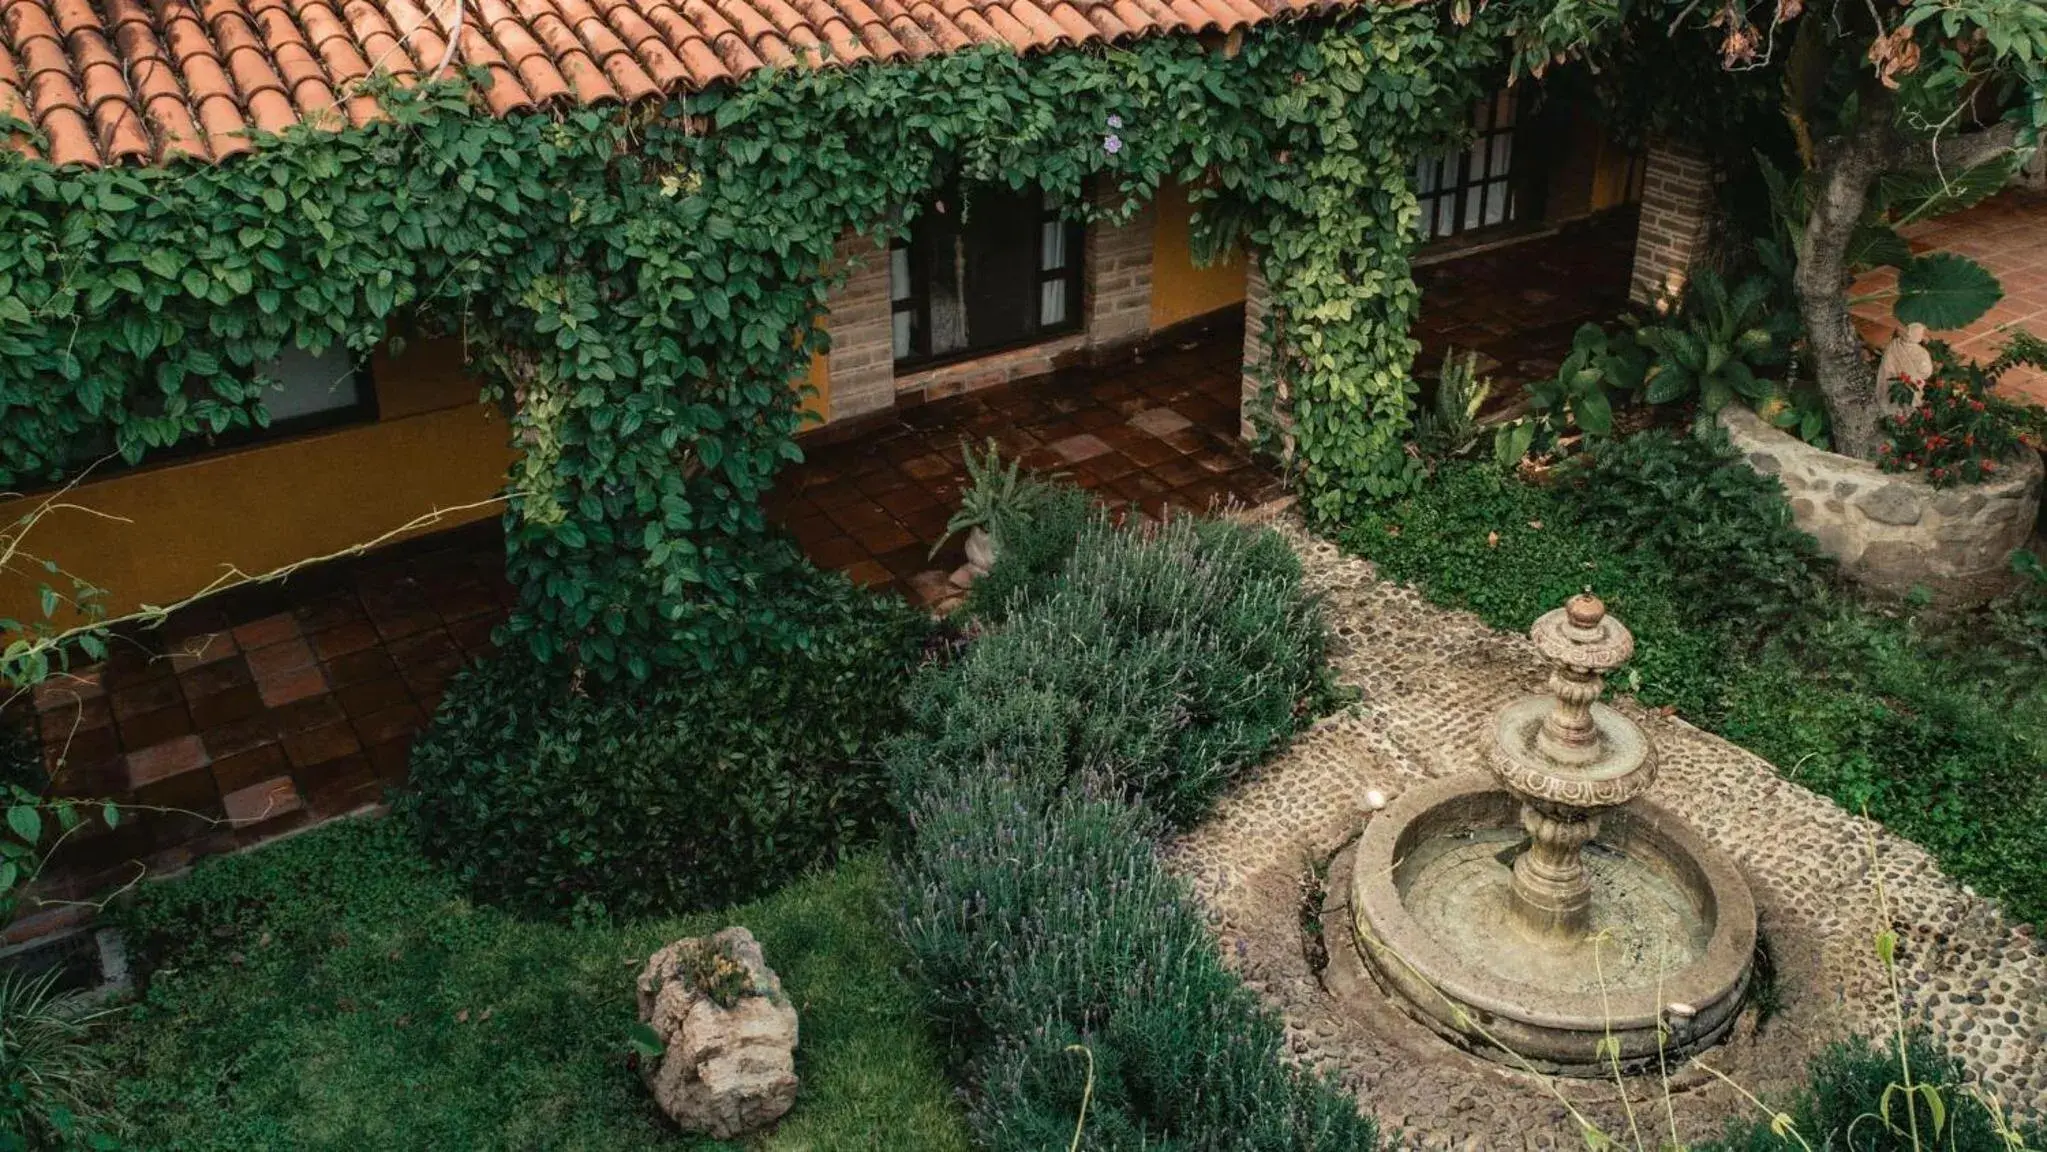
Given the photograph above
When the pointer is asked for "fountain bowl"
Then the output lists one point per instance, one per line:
(1428, 897)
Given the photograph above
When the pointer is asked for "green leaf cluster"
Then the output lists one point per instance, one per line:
(642, 289)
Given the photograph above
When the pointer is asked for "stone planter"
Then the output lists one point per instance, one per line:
(980, 551)
(1894, 532)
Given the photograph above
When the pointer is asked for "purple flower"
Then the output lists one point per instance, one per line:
(1115, 121)
(1112, 144)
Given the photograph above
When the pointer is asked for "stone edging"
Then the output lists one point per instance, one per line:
(1429, 681)
(1894, 531)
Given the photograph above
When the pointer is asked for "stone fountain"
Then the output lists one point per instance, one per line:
(1544, 912)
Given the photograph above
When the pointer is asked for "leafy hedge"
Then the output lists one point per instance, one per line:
(1742, 628)
(1853, 1086)
(685, 792)
(1168, 659)
(1063, 959)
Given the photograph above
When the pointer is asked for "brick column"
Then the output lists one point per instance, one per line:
(1116, 283)
(862, 361)
(1264, 410)
(1677, 206)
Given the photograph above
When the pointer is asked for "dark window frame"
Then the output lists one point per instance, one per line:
(1457, 180)
(918, 301)
(362, 412)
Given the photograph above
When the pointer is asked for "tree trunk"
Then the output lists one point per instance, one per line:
(1840, 190)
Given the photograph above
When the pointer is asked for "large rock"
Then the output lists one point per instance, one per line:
(726, 1069)
(1894, 532)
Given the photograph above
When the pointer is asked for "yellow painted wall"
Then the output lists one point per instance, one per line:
(1179, 289)
(265, 506)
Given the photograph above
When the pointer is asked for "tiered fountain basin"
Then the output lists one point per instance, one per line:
(1673, 924)
(1541, 912)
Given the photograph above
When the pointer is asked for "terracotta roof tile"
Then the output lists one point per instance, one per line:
(148, 81)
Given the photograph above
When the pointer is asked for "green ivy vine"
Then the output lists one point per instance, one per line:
(641, 289)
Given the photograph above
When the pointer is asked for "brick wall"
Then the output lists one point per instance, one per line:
(1116, 285)
(863, 340)
(1265, 399)
(1677, 204)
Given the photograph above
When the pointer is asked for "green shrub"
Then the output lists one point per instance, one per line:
(1040, 769)
(687, 792)
(1721, 530)
(1843, 1106)
(1033, 541)
(53, 1083)
(1040, 919)
(1476, 538)
(1171, 659)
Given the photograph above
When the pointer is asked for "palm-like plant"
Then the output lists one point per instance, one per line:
(52, 1082)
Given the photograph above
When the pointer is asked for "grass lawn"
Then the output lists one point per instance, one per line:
(335, 992)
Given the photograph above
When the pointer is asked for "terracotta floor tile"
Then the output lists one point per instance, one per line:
(330, 611)
(233, 773)
(198, 650)
(276, 660)
(138, 699)
(262, 802)
(1159, 421)
(243, 735)
(269, 630)
(290, 687)
(389, 724)
(1081, 446)
(161, 761)
(215, 677)
(311, 746)
(372, 664)
(869, 573)
(155, 727)
(373, 696)
(344, 639)
(224, 707)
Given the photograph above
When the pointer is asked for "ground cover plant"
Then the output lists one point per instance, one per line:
(687, 791)
(1937, 727)
(1079, 989)
(338, 992)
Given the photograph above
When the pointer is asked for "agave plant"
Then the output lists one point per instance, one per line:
(52, 1082)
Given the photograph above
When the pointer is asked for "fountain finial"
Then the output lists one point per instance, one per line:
(1568, 758)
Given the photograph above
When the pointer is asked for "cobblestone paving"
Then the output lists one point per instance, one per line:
(1429, 681)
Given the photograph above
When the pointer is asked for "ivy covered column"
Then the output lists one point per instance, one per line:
(1265, 417)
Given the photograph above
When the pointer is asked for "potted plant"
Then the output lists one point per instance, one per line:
(995, 491)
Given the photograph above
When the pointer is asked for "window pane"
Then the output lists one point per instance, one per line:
(1052, 246)
(1503, 154)
(311, 384)
(1496, 202)
(1474, 205)
(1446, 215)
(1052, 303)
(899, 273)
(1503, 109)
(902, 320)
